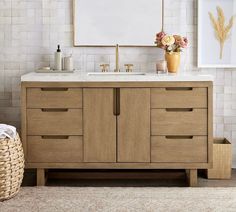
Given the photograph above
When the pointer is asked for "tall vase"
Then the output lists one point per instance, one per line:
(173, 61)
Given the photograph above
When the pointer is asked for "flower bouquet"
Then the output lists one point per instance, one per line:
(173, 45)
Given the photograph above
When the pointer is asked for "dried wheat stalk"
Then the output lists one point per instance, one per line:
(221, 31)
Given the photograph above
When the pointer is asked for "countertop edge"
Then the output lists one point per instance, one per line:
(84, 78)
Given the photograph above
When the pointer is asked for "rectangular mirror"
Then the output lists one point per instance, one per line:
(110, 22)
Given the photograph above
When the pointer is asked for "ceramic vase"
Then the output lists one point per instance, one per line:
(173, 61)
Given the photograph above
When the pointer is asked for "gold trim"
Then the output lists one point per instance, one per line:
(73, 21)
(163, 14)
(117, 59)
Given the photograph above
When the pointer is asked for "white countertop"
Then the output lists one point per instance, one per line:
(78, 76)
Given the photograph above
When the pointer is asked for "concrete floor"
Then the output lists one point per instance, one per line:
(153, 178)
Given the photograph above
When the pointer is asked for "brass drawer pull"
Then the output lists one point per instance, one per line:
(118, 102)
(179, 89)
(54, 89)
(54, 137)
(54, 110)
(179, 109)
(179, 137)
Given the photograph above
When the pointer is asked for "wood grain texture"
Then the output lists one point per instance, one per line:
(179, 149)
(54, 98)
(192, 177)
(54, 122)
(134, 125)
(108, 165)
(41, 177)
(53, 149)
(195, 84)
(23, 120)
(99, 125)
(101, 152)
(179, 122)
(222, 160)
(210, 124)
(179, 97)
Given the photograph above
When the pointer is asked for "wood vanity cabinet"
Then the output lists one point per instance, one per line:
(133, 126)
(99, 125)
(114, 125)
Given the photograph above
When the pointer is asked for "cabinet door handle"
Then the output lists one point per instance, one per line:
(179, 137)
(179, 109)
(55, 137)
(116, 101)
(179, 89)
(54, 110)
(54, 89)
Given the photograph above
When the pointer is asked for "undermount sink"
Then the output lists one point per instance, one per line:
(115, 73)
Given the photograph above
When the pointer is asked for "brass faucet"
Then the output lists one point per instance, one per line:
(117, 59)
(104, 67)
(129, 67)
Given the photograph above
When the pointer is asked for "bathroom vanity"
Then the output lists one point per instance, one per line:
(83, 121)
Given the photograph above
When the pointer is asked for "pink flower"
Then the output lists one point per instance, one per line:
(184, 43)
(160, 35)
(178, 39)
(171, 43)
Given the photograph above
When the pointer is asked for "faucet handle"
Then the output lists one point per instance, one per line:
(104, 67)
(129, 67)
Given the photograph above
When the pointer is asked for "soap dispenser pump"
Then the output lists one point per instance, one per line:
(58, 59)
(58, 48)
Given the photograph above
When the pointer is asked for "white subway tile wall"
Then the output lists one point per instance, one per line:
(31, 29)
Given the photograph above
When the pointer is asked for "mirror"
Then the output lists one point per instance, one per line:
(108, 22)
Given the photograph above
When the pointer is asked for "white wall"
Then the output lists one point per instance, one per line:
(31, 29)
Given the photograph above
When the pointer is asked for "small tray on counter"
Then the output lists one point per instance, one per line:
(53, 71)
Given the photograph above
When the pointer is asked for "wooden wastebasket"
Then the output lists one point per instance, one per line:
(222, 160)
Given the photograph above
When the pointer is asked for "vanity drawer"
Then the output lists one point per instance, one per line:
(179, 121)
(54, 121)
(179, 97)
(179, 149)
(54, 98)
(54, 149)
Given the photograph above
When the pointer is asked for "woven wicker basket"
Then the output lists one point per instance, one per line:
(11, 167)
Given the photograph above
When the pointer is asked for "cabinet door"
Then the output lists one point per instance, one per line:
(99, 125)
(134, 125)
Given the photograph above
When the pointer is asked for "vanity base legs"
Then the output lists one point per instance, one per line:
(41, 178)
(192, 177)
(191, 174)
